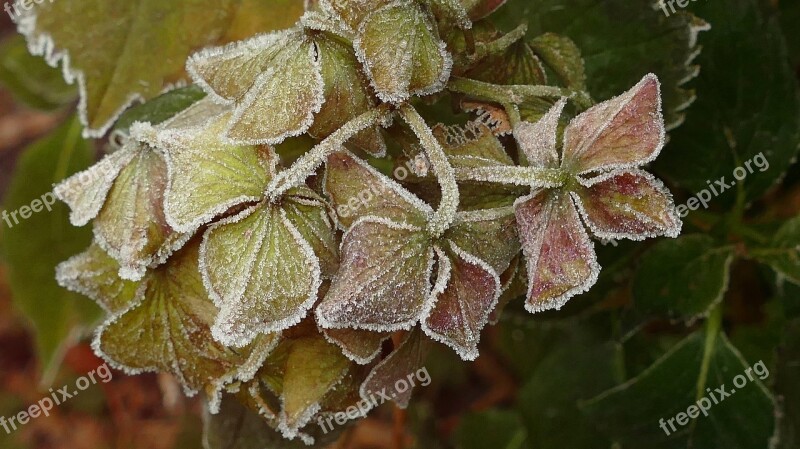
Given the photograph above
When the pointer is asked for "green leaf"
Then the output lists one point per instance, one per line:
(564, 57)
(129, 51)
(682, 279)
(160, 108)
(748, 106)
(788, 371)
(30, 79)
(507, 431)
(694, 369)
(416, 64)
(34, 246)
(783, 253)
(617, 54)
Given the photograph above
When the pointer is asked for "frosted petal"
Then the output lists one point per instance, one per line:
(94, 273)
(538, 140)
(626, 131)
(560, 256)
(208, 176)
(85, 192)
(313, 368)
(227, 73)
(259, 270)
(452, 10)
(358, 190)
(168, 329)
(284, 99)
(346, 95)
(462, 309)
(405, 360)
(489, 235)
(628, 204)
(131, 226)
(417, 63)
(310, 217)
(383, 282)
(359, 346)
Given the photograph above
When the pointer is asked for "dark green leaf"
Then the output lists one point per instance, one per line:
(783, 253)
(506, 431)
(160, 108)
(30, 79)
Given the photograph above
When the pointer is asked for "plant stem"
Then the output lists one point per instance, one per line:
(448, 206)
(309, 162)
(514, 175)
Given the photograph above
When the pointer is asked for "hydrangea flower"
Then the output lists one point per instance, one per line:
(601, 152)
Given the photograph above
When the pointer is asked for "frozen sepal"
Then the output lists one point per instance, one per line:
(560, 257)
(538, 140)
(404, 363)
(358, 190)
(85, 192)
(208, 176)
(313, 368)
(627, 204)
(168, 329)
(261, 273)
(359, 346)
(402, 52)
(351, 12)
(462, 309)
(94, 273)
(472, 146)
(131, 226)
(383, 284)
(274, 81)
(452, 10)
(623, 132)
(489, 234)
(308, 213)
(346, 96)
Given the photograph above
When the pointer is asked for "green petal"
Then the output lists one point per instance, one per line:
(416, 64)
(261, 273)
(94, 273)
(489, 235)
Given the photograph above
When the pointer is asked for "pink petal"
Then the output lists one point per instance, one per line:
(538, 140)
(383, 283)
(561, 258)
(462, 309)
(628, 204)
(626, 131)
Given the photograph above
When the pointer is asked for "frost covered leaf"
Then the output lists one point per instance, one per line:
(358, 345)
(95, 274)
(560, 257)
(30, 79)
(358, 190)
(274, 80)
(453, 11)
(783, 252)
(682, 279)
(404, 361)
(472, 146)
(346, 95)
(628, 204)
(208, 176)
(564, 57)
(383, 282)
(409, 60)
(313, 368)
(108, 48)
(516, 64)
(351, 12)
(462, 309)
(131, 226)
(308, 213)
(666, 46)
(168, 329)
(261, 273)
(623, 132)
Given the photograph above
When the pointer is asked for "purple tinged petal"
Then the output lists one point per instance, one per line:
(538, 140)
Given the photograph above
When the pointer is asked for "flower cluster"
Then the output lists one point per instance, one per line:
(219, 254)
